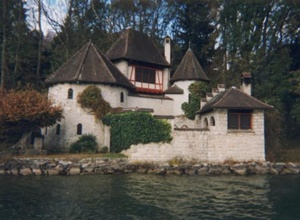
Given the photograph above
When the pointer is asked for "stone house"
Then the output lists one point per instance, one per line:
(135, 75)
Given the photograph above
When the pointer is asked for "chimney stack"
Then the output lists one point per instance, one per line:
(203, 102)
(167, 47)
(221, 87)
(246, 79)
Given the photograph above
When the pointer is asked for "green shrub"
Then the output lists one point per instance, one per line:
(103, 150)
(87, 143)
(136, 127)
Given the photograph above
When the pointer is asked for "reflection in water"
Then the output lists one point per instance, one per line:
(137, 196)
(205, 197)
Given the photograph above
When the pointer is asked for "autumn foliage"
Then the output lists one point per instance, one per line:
(22, 110)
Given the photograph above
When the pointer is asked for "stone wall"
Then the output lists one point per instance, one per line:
(211, 144)
(88, 166)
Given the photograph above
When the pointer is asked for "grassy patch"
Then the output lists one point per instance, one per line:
(68, 156)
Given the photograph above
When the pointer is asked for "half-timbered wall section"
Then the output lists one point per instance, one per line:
(147, 79)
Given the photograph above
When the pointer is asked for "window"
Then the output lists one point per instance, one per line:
(122, 97)
(58, 129)
(144, 75)
(79, 129)
(212, 121)
(239, 119)
(70, 94)
(205, 123)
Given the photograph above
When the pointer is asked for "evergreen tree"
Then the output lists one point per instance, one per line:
(192, 28)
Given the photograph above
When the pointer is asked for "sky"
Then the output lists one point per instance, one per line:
(56, 8)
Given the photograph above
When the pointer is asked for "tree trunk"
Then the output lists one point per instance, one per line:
(4, 69)
(38, 69)
(17, 56)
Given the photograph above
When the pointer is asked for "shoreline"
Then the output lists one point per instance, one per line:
(94, 166)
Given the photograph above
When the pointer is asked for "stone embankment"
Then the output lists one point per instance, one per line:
(49, 167)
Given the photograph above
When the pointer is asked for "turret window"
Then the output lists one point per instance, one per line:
(70, 94)
(205, 123)
(122, 97)
(58, 129)
(79, 129)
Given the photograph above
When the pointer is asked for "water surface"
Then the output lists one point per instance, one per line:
(137, 196)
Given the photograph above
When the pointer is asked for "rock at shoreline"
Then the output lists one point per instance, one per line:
(92, 166)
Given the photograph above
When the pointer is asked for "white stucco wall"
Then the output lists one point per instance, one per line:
(74, 115)
(181, 98)
(159, 105)
(123, 67)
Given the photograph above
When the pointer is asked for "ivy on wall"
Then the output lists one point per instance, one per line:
(91, 98)
(136, 127)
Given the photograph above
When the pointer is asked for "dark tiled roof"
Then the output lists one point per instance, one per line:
(136, 46)
(189, 69)
(174, 89)
(89, 65)
(233, 98)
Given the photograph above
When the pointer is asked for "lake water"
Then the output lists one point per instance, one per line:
(137, 196)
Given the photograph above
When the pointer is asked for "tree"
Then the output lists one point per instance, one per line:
(197, 91)
(4, 69)
(192, 28)
(150, 17)
(20, 111)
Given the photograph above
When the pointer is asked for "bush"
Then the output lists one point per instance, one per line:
(136, 127)
(103, 150)
(87, 143)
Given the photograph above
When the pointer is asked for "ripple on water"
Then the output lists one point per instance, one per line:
(138, 196)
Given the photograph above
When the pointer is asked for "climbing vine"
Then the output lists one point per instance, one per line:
(91, 98)
(136, 127)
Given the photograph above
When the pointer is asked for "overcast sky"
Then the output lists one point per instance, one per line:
(56, 9)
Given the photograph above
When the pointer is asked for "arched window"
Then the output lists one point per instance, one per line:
(122, 97)
(79, 129)
(70, 93)
(58, 129)
(205, 123)
(212, 121)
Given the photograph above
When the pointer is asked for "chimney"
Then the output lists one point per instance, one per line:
(203, 102)
(246, 79)
(167, 46)
(209, 96)
(221, 87)
(215, 92)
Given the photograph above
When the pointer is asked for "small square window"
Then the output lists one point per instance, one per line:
(239, 119)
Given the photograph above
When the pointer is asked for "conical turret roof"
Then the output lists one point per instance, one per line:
(89, 65)
(189, 69)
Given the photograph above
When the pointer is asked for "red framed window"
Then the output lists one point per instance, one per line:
(239, 119)
(144, 75)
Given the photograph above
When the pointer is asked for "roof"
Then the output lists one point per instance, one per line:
(174, 89)
(189, 69)
(234, 98)
(136, 46)
(89, 65)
